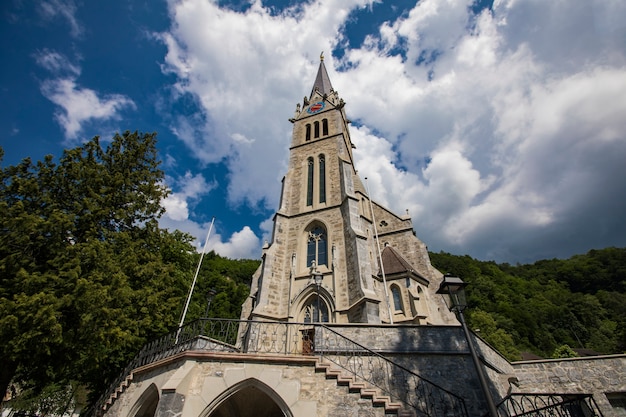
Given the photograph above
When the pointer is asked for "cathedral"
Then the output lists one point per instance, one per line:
(331, 243)
(346, 318)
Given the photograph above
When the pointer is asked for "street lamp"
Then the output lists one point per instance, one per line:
(209, 298)
(454, 288)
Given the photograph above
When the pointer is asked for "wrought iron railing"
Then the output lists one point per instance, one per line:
(261, 337)
(549, 405)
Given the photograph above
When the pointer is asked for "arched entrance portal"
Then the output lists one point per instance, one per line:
(249, 398)
(147, 404)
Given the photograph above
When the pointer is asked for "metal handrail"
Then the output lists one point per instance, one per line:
(548, 405)
(265, 337)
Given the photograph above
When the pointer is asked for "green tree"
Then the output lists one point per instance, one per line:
(564, 351)
(487, 328)
(86, 274)
(542, 306)
(230, 279)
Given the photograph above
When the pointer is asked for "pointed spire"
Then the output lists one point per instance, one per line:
(322, 81)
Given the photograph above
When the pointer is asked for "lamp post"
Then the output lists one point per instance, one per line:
(209, 298)
(454, 287)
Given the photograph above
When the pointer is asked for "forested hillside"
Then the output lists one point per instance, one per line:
(548, 306)
(230, 279)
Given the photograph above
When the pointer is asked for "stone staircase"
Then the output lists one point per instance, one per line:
(364, 390)
(119, 390)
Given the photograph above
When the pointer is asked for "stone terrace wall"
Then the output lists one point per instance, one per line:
(598, 375)
(439, 354)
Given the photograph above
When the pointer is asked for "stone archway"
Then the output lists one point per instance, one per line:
(147, 403)
(249, 398)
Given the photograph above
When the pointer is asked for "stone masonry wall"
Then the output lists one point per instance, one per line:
(596, 375)
(194, 387)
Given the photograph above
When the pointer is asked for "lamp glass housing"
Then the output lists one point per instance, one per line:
(454, 288)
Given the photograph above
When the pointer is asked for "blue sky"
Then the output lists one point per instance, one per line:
(500, 125)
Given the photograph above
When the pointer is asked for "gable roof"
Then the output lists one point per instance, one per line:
(394, 263)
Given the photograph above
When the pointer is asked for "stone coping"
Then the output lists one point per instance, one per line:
(578, 358)
(228, 357)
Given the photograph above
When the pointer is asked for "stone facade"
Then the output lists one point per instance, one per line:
(201, 385)
(323, 194)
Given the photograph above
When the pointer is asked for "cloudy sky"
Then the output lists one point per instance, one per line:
(500, 125)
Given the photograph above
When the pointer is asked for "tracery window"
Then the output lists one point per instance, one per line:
(397, 299)
(317, 247)
(312, 313)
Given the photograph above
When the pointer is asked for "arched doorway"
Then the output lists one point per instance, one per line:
(249, 398)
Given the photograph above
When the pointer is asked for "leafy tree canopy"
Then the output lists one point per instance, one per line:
(540, 308)
(86, 274)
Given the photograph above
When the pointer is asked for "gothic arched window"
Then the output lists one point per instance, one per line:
(316, 129)
(312, 313)
(397, 299)
(325, 127)
(322, 174)
(317, 246)
(309, 183)
(308, 131)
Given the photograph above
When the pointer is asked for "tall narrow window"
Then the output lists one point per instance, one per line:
(308, 131)
(397, 299)
(309, 184)
(322, 174)
(316, 248)
(325, 127)
(316, 129)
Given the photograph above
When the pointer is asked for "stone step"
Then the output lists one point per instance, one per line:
(362, 388)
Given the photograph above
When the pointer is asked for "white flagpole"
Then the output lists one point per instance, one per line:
(193, 284)
(380, 255)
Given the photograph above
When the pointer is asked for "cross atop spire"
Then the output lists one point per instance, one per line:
(322, 81)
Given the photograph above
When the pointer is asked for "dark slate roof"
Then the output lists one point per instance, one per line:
(394, 262)
(322, 81)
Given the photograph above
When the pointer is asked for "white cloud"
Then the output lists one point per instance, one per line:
(241, 245)
(491, 129)
(56, 63)
(81, 105)
(189, 189)
(52, 9)
(77, 105)
(246, 70)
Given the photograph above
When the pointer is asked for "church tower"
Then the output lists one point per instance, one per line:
(323, 263)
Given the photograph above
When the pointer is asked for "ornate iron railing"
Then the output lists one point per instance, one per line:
(261, 337)
(549, 405)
